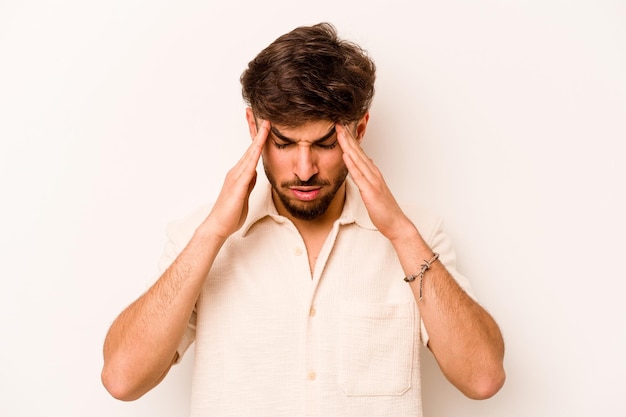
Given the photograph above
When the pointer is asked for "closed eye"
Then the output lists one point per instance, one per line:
(282, 145)
(282, 142)
(327, 146)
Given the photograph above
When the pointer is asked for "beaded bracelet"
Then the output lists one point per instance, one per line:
(425, 267)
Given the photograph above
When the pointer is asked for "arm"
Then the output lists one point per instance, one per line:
(464, 338)
(140, 346)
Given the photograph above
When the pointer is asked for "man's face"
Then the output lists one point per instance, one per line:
(305, 167)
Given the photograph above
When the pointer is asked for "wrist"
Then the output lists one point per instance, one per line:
(210, 233)
(404, 231)
(409, 244)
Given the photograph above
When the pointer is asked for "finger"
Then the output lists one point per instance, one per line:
(258, 142)
(360, 160)
(351, 145)
(351, 158)
(256, 148)
(354, 170)
(261, 134)
(345, 138)
(250, 159)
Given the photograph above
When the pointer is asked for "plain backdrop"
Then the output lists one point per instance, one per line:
(506, 117)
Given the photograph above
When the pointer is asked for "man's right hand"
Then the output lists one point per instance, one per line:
(231, 207)
(141, 344)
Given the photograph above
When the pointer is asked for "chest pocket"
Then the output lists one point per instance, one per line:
(376, 348)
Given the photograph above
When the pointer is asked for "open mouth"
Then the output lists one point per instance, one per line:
(305, 194)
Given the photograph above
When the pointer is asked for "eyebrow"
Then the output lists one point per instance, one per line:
(286, 139)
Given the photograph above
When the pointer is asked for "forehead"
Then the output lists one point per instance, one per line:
(306, 132)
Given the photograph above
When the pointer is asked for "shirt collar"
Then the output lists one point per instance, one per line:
(261, 205)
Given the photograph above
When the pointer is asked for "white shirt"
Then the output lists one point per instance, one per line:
(274, 340)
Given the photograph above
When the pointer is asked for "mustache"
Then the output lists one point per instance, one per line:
(311, 182)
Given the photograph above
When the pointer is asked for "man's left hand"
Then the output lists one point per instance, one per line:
(381, 205)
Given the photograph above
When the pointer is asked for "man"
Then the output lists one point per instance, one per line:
(293, 291)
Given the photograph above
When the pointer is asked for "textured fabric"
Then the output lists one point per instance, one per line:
(272, 339)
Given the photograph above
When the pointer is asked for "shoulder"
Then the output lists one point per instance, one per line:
(179, 232)
(427, 221)
(182, 229)
(431, 228)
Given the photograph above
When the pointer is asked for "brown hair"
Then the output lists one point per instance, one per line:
(310, 74)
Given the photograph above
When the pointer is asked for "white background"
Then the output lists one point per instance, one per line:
(506, 117)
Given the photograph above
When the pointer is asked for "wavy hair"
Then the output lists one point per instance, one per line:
(310, 74)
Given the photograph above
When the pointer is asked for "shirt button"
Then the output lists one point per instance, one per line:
(298, 251)
(312, 376)
(312, 312)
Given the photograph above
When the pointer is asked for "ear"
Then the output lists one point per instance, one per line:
(361, 127)
(252, 127)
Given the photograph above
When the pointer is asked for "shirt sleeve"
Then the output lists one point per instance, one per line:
(178, 235)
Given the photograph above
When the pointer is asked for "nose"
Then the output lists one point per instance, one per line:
(305, 165)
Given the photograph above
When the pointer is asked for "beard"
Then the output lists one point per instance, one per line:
(308, 210)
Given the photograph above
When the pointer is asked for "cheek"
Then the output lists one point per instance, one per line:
(332, 160)
(275, 160)
(272, 156)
